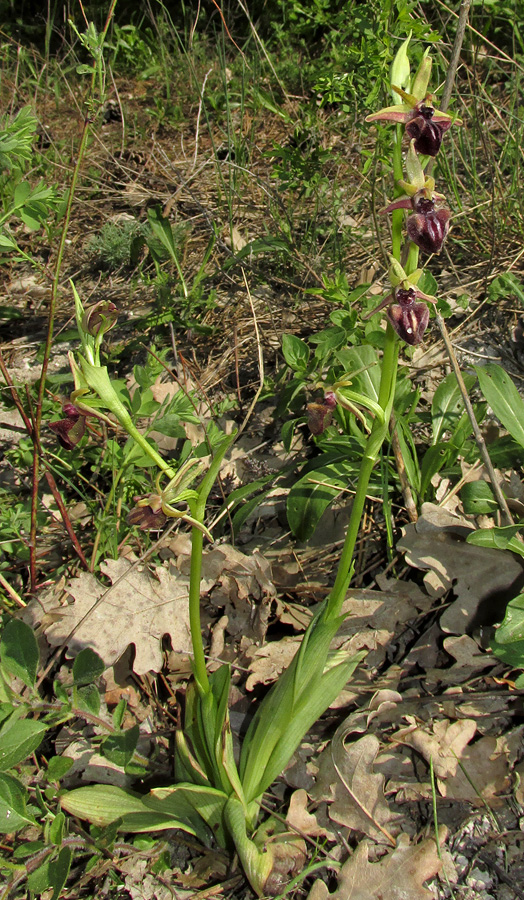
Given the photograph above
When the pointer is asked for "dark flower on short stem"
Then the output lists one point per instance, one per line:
(427, 128)
(424, 124)
(148, 513)
(99, 318)
(408, 318)
(319, 415)
(71, 429)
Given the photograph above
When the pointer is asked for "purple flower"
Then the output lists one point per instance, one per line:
(148, 513)
(100, 317)
(424, 124)
(408, 318)
(429, 224)
(319, 415)
(427, 128)
(71, 429)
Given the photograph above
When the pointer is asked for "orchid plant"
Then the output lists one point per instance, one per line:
(214, 796)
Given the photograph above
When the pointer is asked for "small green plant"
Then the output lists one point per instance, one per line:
(117, 244)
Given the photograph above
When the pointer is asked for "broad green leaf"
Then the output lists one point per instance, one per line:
(309, 498)
(511, 654)
(19, 651)
(207, 802)
(19, 738)
(87, 667)
(477, 498)
(296, 352)
(58, 766)
(504, 399)
(499, 538)
(59, 870)
(39, 880)
(365, 357)
(87, 698)
(102, 804)
(120, 747)
(512, 628)
(447, 406)
(13, 814)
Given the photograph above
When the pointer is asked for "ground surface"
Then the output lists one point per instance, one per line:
(430, 729)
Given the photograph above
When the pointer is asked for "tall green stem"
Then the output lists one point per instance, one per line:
(195, 626)
(373, 446)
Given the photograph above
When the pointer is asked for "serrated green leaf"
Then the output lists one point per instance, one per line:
(19, 651)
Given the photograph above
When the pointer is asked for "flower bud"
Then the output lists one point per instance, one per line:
(400, 67)
(99, 318)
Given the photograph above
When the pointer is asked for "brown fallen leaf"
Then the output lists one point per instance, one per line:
(140, 609)
(354, 792)
(443, 742)
(400, 875)
(303, 821)
(479, 576)
(485, 771)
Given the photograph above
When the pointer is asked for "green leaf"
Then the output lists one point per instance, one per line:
(103, 804)
(59, 870)
(296, 352)
(87, 667)
(56, 829)
(309, 498)
(13, 815)
(512, 627)
(87, 698)
(433, 460)
(58, 766)
(19, 738)
(499, 538)
(447, 406)
(120, 747)
(19, 651)
(169, 425)
(511, 654)
(39, 880)
(477, 498)
(119, 713)
(504, 399)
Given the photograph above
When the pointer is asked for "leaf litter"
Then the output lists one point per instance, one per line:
(369, 780)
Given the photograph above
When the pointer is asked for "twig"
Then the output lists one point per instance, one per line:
(481, 444)
(260, 359)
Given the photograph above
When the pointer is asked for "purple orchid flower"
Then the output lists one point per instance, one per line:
(424, 124)
(70, 430)
(408, 318)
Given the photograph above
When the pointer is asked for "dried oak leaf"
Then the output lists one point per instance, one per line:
(400, 875)
(355, 792)
(444, 743)
(140, 608)
(481, 578)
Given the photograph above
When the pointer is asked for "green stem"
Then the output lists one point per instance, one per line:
(371, 454)
(195, 626)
